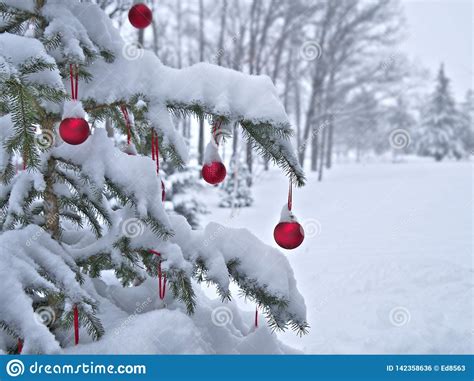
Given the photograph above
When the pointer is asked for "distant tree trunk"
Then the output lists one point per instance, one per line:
(331, 115)
(201, 58)
(141, 36)
(235, 137)
(297, 97)
(179, 33)
(288, 78)
(181, 122)
(220, 50)
(239, 38)
(154, 30)
(314, 151)
(330, 144)
(322, 149)
(237, 58)
(252, 58)
(249, 163)
(309, 117)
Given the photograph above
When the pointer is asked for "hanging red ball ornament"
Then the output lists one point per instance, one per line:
(140, 16)
(288, 234)
(74, 130)
(214, 173)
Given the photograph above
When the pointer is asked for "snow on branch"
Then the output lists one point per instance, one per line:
(103, 163)
(205, 90)
(81, 32)
(31, 260)
(261, 272)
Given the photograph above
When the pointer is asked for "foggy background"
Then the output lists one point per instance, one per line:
(380, 97)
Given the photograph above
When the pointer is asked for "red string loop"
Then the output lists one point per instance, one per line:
(215, 131)
(76, 324)
(153, 145)
(161, 277)
(20, 346)
(71, 75)
(155, 150)
(77, 84)
(157, 154)
(290, 196)
(74, 76)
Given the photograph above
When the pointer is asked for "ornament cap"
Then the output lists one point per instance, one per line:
(287, 215)
(73, 109)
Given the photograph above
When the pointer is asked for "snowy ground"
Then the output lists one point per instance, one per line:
(386, 266)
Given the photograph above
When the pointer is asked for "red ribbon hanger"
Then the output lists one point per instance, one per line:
(161, 277)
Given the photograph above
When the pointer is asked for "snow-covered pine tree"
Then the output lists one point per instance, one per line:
(467, 118)
(236, 192)
(78, 212)
(182, 191)
(440, 120)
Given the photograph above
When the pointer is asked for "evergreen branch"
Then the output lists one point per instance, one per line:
(270, 147)
(86, 318)
(157, 228)
(96, 263)
(275, 307)
(23, 119)
(82, 207)
(181, 286)
(35, 65)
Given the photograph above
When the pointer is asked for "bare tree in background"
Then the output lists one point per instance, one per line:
(270, 37)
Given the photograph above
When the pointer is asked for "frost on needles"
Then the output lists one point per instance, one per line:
(62, 219)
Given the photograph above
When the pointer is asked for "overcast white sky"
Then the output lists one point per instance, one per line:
(442, 31)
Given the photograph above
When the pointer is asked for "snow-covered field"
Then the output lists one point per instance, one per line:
(386, 266)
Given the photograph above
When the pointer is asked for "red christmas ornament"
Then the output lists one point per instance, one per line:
(288, 235)
(140, 16)
(214, 173)
(74, 130)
